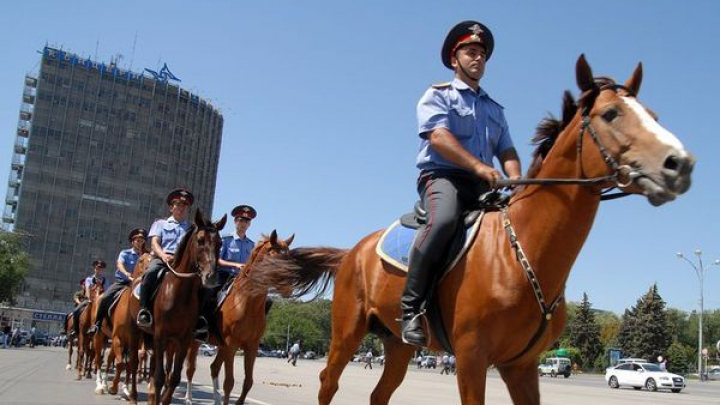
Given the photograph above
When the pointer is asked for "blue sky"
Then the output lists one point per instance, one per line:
(319, 104)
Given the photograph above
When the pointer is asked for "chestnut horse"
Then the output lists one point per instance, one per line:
(489, 309)
(241, 321)
(85, 346)
(71, 339)
(119, 328)
(176, 306)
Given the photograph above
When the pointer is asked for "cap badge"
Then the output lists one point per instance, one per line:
(476, 30)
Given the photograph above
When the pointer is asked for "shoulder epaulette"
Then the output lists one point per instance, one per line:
(441, 85)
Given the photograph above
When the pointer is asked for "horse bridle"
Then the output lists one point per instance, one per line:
(612, 163)
(547, 311)
(196, 271)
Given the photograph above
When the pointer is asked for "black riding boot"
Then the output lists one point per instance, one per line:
(147, 286)
(100, 314)
(414, 294)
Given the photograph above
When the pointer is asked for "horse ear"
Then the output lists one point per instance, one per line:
(198, 217)
(273, 237)
(289, 240)
(221, 223)
(633, 83)
(584, 75)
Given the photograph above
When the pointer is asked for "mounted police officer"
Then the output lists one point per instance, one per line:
(236, 248)
(165, 234)
(82, 301)
(126, 261)
(461, 129)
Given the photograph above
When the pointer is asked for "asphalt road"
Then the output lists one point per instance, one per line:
(38, 376)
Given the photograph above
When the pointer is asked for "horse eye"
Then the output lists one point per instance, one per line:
(610, 115)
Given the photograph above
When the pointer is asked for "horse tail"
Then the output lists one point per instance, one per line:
(301, 271)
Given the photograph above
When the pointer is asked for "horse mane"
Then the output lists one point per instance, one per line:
(550, 127)
(301, 271)
(182, 246)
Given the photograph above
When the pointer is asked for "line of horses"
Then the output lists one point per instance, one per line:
(488, 301)
(240, 319)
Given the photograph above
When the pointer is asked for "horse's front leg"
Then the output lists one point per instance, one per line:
(522, 382)
(179, 359)
(248, 381)
(472, 367)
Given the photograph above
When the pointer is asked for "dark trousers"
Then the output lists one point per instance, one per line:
(149, 282)
(76, 316)
(107, 298)
(444, 197)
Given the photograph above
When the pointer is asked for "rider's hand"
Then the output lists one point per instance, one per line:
(167, 257)
(489, 174)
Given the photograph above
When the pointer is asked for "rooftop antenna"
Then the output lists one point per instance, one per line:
(132, 56)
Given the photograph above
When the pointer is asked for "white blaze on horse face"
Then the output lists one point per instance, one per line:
(647, 121)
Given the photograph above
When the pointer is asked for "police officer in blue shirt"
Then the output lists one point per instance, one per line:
(235, 250)
(86, 283)
(461, 130)
(126, 261)
(165, 234)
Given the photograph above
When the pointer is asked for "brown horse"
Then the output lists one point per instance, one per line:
(87, 319)
(176, 307)
(489, 309)
(71, 339)
(241, 321)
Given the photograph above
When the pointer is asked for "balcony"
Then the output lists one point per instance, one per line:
(14, 183)
(23, 132)
(28, 99)
(30, 81)
(8, 219)
(25, 115)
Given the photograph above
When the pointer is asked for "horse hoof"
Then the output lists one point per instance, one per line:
(99, 391)
(126, 395)
(112, 391)
(68, 367)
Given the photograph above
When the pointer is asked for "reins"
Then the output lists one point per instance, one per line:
(617, 169)
(191, 274)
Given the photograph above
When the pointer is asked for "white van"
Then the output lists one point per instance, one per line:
(556, 366)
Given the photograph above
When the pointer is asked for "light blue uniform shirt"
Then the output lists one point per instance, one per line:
(128, 258)
(170, 232)
(89, 281)
(477, 121)
(235, 250)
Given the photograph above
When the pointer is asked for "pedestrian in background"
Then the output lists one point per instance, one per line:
(368, 360)
(294, 353)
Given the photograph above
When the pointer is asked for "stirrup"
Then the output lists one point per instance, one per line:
(407, 321)
(203, 325)
(92, 330)
(142, 323)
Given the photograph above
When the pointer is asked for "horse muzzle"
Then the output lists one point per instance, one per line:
(669, 180)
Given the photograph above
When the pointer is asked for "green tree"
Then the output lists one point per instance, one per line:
(679, 326)
(14, 265)
(679, 358)
(585, 334)
(609, 328)
(644, 332)
(290, 321)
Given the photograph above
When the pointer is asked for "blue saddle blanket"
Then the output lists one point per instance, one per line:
(397, 240)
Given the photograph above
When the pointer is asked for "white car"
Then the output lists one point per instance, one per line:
(639, 375)
(207, 350)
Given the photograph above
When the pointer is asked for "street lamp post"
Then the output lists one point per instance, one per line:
(700, 271)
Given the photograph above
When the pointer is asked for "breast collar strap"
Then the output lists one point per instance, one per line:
(545, 310)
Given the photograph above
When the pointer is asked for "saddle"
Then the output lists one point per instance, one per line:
(397, 240)
(136, 288)
(224, 291)
(114, 301)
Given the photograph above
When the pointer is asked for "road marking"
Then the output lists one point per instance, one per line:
(248, 399)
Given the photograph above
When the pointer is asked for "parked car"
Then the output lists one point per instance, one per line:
(429, 362)
(41, 338)
(310, 355)
(639, 375)
(380, 360)
(713, 374)
(555, 366)
(263, 353)
(208, 350)
(631, 360)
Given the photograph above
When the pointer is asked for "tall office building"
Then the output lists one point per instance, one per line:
(97, 150)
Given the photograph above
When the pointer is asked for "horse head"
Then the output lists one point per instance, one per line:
(645, 157)
(199, 250)
(269, 246)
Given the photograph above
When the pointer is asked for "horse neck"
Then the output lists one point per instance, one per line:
(553, 222)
